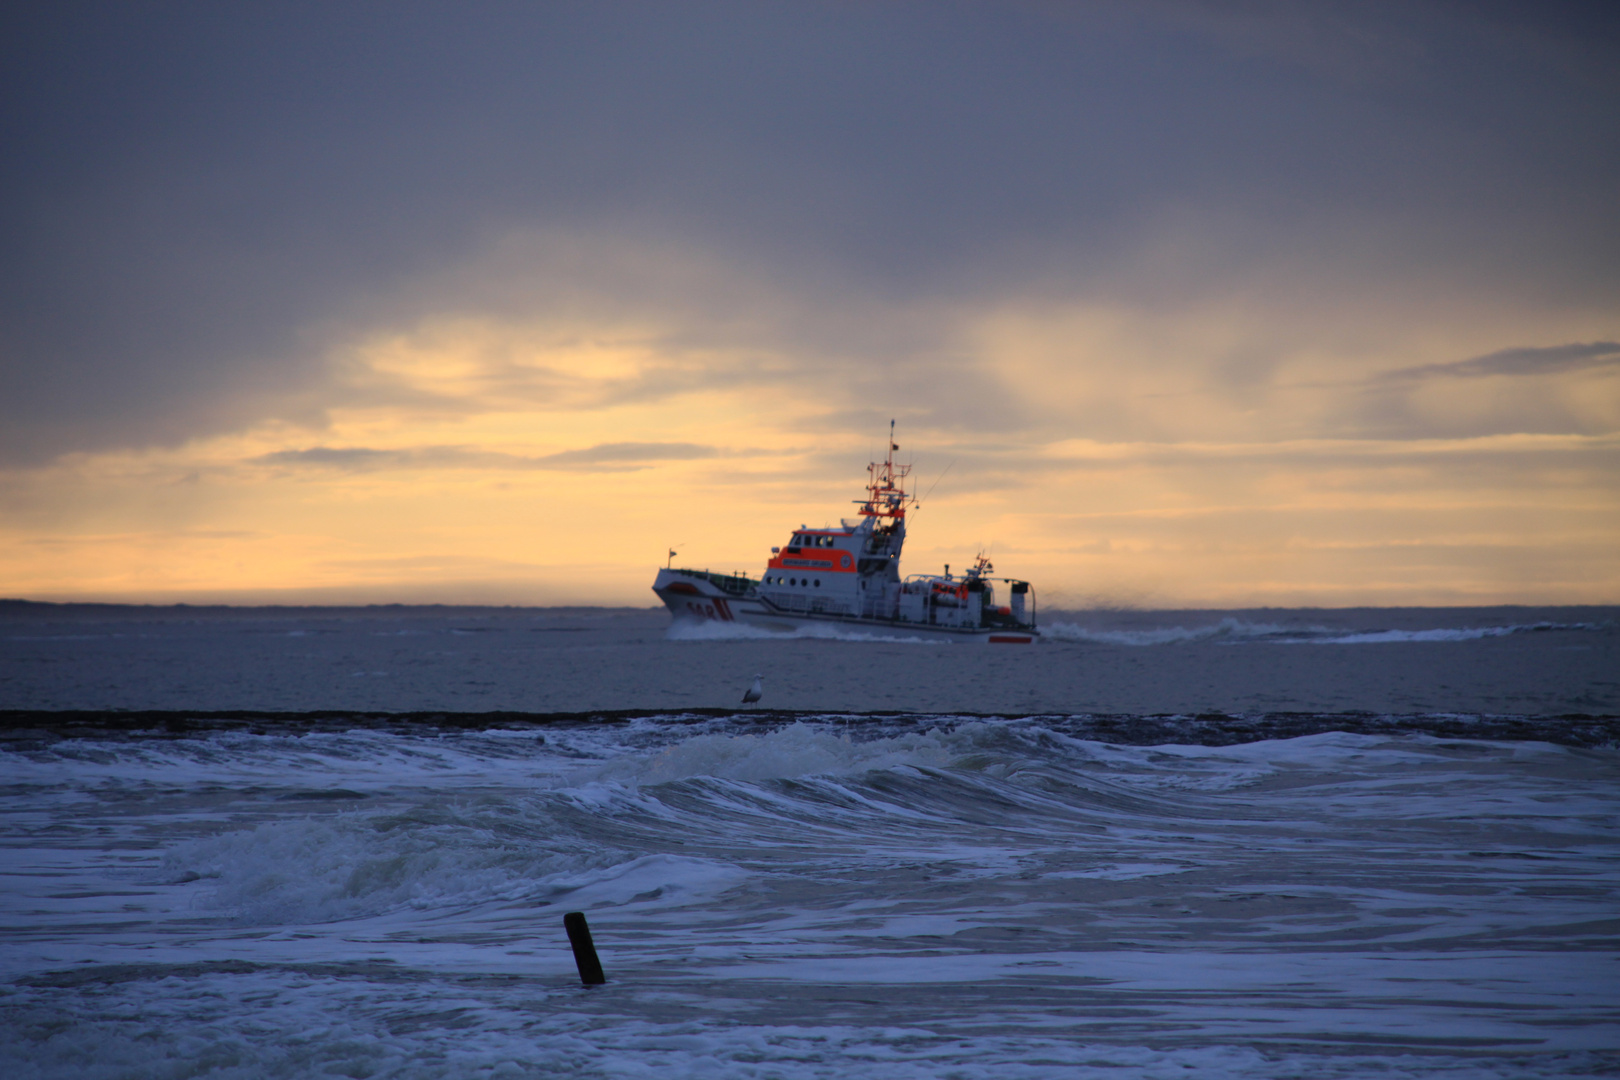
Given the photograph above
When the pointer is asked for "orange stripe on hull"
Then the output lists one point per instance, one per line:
(836, 562)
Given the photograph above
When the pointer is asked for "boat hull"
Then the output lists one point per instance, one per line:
(699, 597)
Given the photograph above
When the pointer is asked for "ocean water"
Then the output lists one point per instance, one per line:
(1257, 844)
(1505, 660)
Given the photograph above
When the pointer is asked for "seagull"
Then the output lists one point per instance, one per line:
(755, 692)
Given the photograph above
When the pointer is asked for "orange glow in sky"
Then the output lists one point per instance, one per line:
(480, 460)
(1176, 303)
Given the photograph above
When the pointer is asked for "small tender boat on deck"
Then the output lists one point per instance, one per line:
(848, 579)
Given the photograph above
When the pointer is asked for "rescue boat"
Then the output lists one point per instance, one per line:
(847, 580)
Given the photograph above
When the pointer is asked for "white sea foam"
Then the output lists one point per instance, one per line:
(665, 879)
(908, 896)
(714, 630)
(797, 750)
(1235, 631)
(1385, 637)
(1228, 629)
(312, 870)
(325, 1030)
(822, 898)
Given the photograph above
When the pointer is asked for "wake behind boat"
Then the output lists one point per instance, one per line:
(849, 578)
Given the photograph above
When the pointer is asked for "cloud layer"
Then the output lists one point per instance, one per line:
(1177, 259)
(606, 457)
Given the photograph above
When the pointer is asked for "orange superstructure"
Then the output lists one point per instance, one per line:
(885, 486)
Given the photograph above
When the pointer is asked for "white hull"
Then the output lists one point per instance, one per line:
(845, 578)
(697, 596)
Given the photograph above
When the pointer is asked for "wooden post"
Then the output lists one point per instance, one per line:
(579, 936)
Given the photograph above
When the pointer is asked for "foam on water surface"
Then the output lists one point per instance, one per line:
(711, 630)
(1231, 630)
(342, 843)
(810, 897)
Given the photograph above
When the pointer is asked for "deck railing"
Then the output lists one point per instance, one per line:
(735, 583)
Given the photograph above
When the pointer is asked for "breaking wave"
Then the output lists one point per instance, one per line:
(837, 895)
(798, 750)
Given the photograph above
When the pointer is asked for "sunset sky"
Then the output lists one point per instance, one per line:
(1180, 304)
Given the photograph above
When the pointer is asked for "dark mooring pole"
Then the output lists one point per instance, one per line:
(579, 936)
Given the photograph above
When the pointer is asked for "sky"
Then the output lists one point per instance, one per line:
(1173, 304)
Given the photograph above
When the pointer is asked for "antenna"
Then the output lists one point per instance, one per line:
(918, 503)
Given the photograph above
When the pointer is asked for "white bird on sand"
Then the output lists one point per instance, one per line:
(755, 692)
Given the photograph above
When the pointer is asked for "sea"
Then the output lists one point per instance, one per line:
(340, 842)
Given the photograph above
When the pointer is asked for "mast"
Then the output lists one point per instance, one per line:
(883, 523)
(886, 496)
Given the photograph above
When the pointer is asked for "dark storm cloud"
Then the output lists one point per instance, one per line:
(198, 200)
(606, 457)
